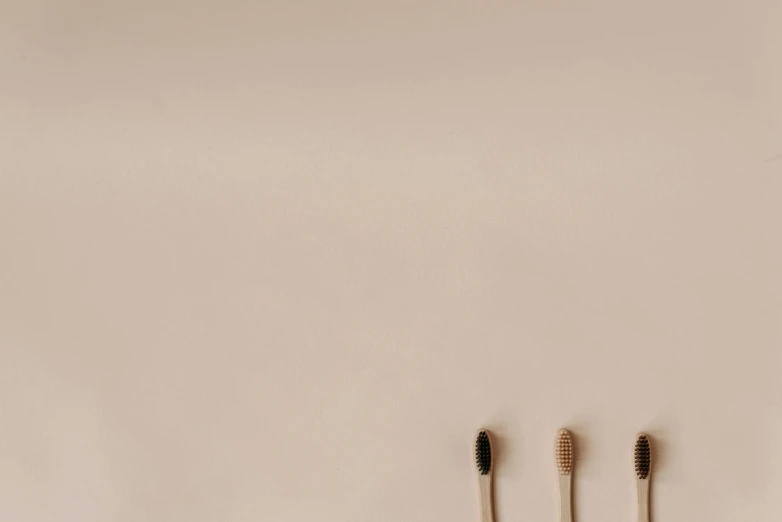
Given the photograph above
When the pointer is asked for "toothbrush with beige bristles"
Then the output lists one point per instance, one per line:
(484, 465)
(563, 451)
(642, 456)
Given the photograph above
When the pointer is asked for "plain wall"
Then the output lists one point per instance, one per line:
(277, 262)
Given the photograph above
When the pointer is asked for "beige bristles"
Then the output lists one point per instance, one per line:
(564, 452)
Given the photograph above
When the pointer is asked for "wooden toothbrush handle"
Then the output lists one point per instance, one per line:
(643, 500)
(565, 498)
(487, 504)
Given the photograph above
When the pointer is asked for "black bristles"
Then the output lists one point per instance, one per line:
(483, 453)
(642, 457)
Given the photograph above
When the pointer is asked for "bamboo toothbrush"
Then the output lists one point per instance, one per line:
(484, 467)
(563, 450)
(643, 470)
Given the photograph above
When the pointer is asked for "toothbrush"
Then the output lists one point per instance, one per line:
(563, 450)
(483, 465)
(643, 471)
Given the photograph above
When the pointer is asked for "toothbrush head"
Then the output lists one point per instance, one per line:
(563, 450)
(483, 452)
(642, 457)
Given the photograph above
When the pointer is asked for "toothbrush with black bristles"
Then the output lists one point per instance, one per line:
(563, 451)
(642, 456)
(484, 466)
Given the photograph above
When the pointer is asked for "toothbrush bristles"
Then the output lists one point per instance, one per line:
(483, 453)
(564, 452)
(642, 456)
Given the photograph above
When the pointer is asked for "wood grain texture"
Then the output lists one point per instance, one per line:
(643, 499)
(565, 498)
(486, 493)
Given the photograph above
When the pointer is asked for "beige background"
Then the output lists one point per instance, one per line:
(279, 262)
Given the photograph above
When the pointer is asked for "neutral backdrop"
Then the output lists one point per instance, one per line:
(277, 262)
